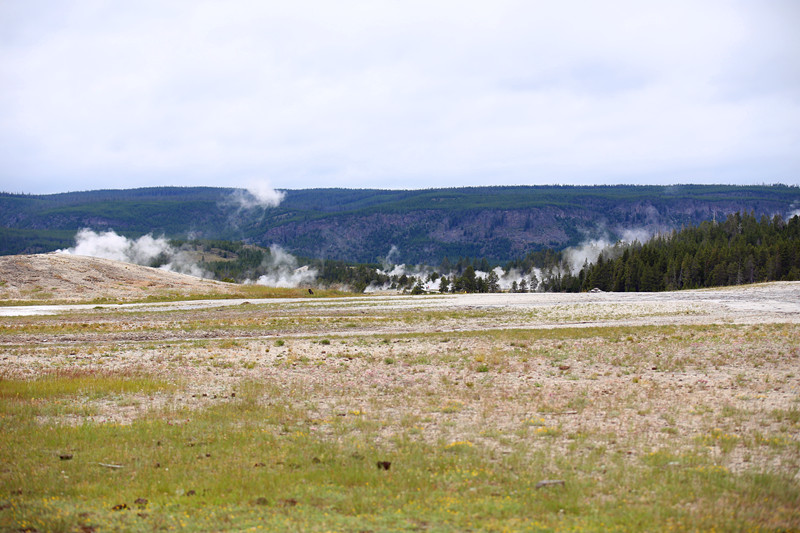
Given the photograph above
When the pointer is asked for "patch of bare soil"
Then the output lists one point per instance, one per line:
(68, 277)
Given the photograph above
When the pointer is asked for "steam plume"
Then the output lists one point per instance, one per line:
(145, 250)
(391, 258)
(258, 193)
(282, 270)
(590, 250)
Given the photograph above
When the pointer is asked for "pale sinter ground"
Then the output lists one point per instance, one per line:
(621, 373)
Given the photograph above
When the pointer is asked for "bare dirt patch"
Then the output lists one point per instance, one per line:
(65, 277)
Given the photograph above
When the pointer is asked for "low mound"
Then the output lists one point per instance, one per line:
(56, 276)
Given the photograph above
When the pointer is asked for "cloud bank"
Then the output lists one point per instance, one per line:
(398, 94)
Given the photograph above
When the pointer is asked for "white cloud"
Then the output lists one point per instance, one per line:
(397, 94)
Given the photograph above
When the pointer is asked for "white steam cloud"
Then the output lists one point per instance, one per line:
(422, 274)
(641, 235)
(576, 257)
(507, 279)
(142, 251)
(795, 211)
(258, 193)
(391, 268)
(391, 258)
(282, 270)
(587, 252)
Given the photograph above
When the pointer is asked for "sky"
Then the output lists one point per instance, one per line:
(397, 94)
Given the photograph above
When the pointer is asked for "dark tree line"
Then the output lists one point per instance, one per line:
(468, 281)
(742, 249)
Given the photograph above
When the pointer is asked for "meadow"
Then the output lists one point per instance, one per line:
(405, 414)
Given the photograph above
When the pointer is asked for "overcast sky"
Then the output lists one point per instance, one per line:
(397, 94)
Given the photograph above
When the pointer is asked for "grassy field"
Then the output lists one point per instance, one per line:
(345, 417)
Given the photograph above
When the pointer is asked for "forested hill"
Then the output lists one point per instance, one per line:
(498, 223)
(742, 249)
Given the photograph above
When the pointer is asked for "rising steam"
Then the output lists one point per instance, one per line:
(589, 251)
(281, 267)
(795, 211)
(391, 258)
(430, 279)
(146, 251)
(282, 270)
(258, 193)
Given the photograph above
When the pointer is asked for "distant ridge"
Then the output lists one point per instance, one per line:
(499, 223)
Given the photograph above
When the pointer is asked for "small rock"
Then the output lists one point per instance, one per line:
(549, 482)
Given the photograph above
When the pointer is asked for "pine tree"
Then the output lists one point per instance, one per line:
(493, 281)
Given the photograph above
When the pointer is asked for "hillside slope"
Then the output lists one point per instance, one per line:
(499, 223)
(74, 277)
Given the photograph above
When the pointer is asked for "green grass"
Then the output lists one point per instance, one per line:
(246, 464)
(237, 291)
(640, 437)
(78, 383)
